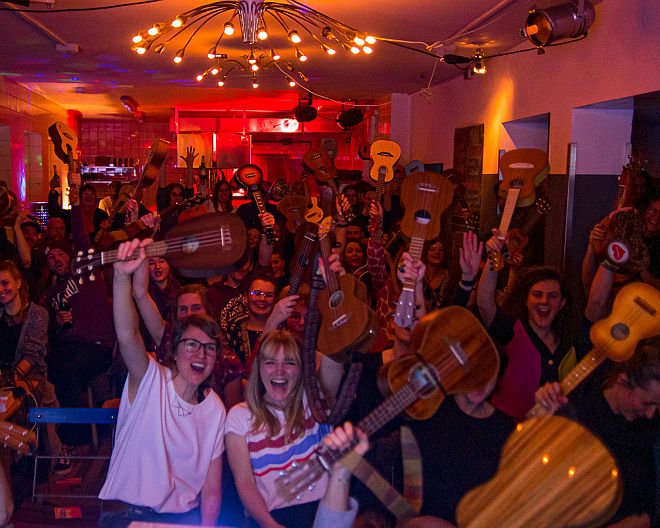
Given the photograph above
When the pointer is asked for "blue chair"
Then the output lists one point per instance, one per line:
(75, 415)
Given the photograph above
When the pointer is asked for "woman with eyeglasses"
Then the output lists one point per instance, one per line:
(166, 464)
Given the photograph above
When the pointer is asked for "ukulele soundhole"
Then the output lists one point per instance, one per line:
(336, 299)
(190, 245)
(422, 217)
(620, 331)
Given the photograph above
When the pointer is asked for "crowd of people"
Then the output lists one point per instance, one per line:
(216, 408)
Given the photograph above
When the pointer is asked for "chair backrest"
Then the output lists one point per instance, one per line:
(73, 415)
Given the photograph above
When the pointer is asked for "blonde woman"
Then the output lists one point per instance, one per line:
(270, 431)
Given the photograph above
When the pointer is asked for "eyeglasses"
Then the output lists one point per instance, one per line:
(193, 345)
(265, 295)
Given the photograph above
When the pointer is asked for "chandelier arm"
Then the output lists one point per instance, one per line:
(297, 21)
(285, 10)
(196, 19)
(200, 26)
(322, 16)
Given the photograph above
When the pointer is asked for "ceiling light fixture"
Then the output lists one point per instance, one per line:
(568, 20)
(298, 22)
(479, 62)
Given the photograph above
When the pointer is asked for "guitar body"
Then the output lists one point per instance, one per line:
(385, 154)
(213, 241)
(523, 169)
(553, 473)
(294, 208)
(357, 326)
(455, 344)
(314, 213)
(424, 195)
(319, 164)
(65, 141)
(635, 316)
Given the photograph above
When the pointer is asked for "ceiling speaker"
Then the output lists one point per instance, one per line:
(349, 118)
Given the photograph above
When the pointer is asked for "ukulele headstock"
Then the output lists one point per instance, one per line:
(84, 264)
(542, 206)
(325, 227)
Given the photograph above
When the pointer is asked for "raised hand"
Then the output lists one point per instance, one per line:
(190, 157)
(551, 397)
(469, 255)
(410, 269)
(130, 256)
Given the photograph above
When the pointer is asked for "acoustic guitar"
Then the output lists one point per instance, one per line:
(347, 321)
(553, 473)
(453, 353)
(65, 141)
(21, 440)
(201, 247)
(319, 164)
(522, 171)
(635, 316)
(250, 177)
(425, 196)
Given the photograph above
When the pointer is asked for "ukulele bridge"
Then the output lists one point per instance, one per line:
(457, 350)
(225, 238)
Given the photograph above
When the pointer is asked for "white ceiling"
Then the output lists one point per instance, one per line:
(105, 68)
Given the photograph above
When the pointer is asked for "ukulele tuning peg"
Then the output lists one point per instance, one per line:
(92, 277)
(79, 254)
(80, 280)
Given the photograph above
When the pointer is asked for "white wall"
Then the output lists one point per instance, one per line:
(619, 58)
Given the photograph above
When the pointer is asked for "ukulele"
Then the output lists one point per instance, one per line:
(250, 176)
(522, 171)
(296, 208)
(21, 440)
(518, 238)
(301, 265)
(553, 473)
(347, 321)
(385, 154)
(425, 196)
(65, 142)
(318, 163)
(454, 354)
(634, 317)
(201, 247)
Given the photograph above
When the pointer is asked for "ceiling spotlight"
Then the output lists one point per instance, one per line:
(568, 20)
(479, 64)
(347, 119)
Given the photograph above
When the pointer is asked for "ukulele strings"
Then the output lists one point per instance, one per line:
(332, 280)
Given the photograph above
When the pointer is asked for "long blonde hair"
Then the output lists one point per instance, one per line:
(263, 415)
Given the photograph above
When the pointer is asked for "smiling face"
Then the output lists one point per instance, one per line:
(189, 304)
(261, 298)
(280, 376)
(544, 301)
(223, 193)
(652, 219)
(354, 255)
(194, 366)
(159, 271)
(277, 264)
(253, 237)
(9, 289)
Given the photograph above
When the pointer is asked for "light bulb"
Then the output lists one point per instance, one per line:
(358, 40)
(153, 30)
(292, 83)
(229, 28)
(355, 50)
(255, 84)
(251, 58)
(137, 39)
(178, 22)
(214, 71)
(221, 82)
(294, 37)
(141, 50)
(200, 77)
(370, 40)
(300, 55)
(211, 53)
(328, 49)
(367, 50)
(275, 55)
(179, 56)
(262, 34)
(254, 67)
